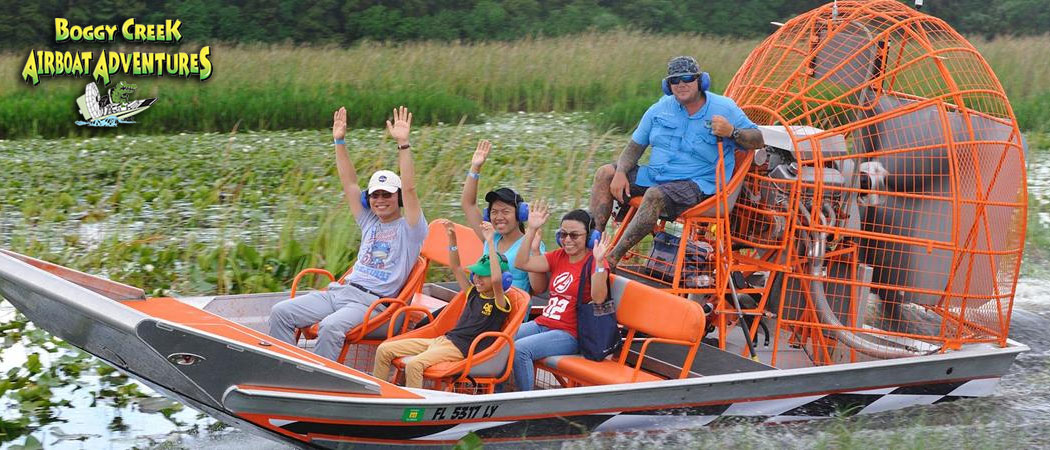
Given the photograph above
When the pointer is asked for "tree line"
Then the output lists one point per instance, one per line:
(30, 24)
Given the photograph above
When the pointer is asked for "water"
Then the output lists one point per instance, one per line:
(109, 411)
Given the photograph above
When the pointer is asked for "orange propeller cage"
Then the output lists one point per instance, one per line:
(943, 237)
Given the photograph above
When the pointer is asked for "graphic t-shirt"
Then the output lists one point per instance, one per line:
(480, 314)
(560, 313)
(521, 277)
(387, 252)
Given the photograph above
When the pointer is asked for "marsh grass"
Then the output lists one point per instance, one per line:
(245, 211)
(289, 87)
(269, 87)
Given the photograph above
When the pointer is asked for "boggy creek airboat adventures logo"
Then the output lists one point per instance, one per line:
(115, 107)
(103, 104)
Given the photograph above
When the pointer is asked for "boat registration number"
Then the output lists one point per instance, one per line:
(464, 412)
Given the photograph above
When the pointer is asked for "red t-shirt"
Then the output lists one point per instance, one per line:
(560, 312)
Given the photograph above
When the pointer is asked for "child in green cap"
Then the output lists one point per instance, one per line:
(487, 309)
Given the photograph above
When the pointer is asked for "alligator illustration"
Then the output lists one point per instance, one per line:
(117, 102)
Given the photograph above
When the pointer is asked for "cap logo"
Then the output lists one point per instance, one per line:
(382, 178)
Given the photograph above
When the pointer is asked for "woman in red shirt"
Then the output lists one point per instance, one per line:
(554, 333)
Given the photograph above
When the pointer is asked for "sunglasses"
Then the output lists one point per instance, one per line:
(572, 235)
(381, 194)
(681, 79)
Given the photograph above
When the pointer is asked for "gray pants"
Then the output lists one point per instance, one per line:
(339, 309)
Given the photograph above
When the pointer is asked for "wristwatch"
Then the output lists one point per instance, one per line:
(736, 134)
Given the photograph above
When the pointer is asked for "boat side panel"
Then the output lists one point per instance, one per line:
(718, 389)
(333, 434)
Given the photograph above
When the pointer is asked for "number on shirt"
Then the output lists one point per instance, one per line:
(555, 307)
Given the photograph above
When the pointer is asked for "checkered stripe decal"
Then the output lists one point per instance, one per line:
(762, 411)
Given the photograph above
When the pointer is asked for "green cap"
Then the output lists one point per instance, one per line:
(482, 268)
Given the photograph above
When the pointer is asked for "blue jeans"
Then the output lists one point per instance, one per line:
(535, 341)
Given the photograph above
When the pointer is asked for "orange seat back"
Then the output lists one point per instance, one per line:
(655, 312)
(379, 322)
(707, 208)
(435, 247)
(492, 361)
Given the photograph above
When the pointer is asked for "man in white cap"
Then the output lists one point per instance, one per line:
(392, 232)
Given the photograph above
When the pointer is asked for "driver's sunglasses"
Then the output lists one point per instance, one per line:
(681, 79)
(381, 194)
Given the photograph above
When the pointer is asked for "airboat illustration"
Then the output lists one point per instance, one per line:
(115, 103)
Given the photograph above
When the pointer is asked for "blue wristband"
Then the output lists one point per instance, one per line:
(474, 175)
(340, 142)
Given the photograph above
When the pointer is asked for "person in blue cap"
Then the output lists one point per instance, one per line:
(684, 128)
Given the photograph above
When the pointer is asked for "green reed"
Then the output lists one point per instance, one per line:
(245, 211)
(287, 87)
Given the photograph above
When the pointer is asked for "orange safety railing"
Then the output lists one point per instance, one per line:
(899, 227)
(928, 259)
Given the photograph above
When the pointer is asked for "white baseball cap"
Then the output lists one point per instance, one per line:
(384, 180)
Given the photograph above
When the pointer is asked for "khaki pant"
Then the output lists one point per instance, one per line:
(424, 352)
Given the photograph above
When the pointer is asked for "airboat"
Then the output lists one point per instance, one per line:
(865, 260)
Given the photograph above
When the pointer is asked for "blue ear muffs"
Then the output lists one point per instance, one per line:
(523, 213)
(508, 280)
(705, 84)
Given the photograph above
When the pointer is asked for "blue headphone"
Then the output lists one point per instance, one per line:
(507, 278)
(367, 205)
(592, 238)
(705, 83)
(520, 207)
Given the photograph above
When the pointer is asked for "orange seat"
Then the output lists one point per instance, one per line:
(587, 372)
(377, 327)
(486, 368)
(665, 318)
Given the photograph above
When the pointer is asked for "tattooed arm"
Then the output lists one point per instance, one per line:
(750, 139)
(620, 187)
(629, 156)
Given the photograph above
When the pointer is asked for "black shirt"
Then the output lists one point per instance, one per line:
(479, 315)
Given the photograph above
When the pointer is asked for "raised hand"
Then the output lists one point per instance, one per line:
(339, 123)
(721, 127)
(450, 230)
(535, 249)
(488, 231)
(538, 214)
(602, 247)
(480, 154)
(401, 126)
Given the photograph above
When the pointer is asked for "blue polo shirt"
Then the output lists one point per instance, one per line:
(683, 146)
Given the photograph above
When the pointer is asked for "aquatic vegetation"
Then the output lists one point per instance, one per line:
(277, 87)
